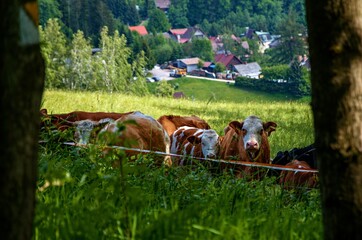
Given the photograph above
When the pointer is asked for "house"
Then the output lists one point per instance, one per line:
(228, 60)
(140, 29)
(209, 66)
(163, 5)
(184, 35)
(189, 64)
(178, 95)
(266, 40)
(251, 70)
(218, 45)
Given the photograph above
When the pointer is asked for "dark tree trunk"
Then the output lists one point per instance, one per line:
(21, 87)
(335, 41)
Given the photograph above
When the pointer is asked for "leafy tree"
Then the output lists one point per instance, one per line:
(158, 21)
(219, 67)
(200, 63)
(177, 14)
(55, 54)
(164, 89)
(200, 48)
(138, 86)
(113, 72)
(298, 77)
(80, 63)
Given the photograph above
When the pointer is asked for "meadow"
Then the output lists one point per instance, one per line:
(80, 195)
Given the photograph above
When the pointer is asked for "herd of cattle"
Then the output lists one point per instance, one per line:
(183, 138)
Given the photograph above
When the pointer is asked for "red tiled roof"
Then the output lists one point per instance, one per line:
(225, 58)
(140, 29)
(179, 31)
(163, 4)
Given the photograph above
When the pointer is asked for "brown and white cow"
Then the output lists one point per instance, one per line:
(62, 121)
(139, 131)
(247, 141)
(194, 142)
(294, 179)
(171, 122)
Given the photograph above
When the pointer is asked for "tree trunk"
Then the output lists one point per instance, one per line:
(335, 41)
(21, 87)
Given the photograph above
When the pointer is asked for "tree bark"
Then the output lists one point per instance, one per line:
(21, 87)
(335, 42)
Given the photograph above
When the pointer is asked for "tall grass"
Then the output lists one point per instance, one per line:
(88, 199)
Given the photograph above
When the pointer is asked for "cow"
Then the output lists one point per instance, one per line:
(194, 142)
(139, 131)
(62, 121)
(306, 154)
(294, 179)
(172, 122)
(247, 141)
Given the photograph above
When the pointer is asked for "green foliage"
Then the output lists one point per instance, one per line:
(81, 196)
(80, 63)
(53, 47)
(177, 14)
(76, 68)
(219, 67)
(48, 9)
(200, 48)
(158, 21)
(164, 89)
(292, 80)
(164, 49)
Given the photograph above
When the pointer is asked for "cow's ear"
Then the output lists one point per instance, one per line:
(237, 126)
(194, 140)
(269, 127)
(43, 112)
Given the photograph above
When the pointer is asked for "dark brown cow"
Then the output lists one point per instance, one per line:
(61, 121)
(247, 141)
(140, 131)
(292, 179)
(172, 122)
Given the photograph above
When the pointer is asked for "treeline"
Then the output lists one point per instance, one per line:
(215, 17)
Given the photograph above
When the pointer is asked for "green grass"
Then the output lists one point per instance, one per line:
(92, 200)
(207, 90)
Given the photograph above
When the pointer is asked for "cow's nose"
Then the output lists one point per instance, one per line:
(211, 155)
(252, 145)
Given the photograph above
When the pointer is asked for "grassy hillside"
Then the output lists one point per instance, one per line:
(80, 196)
(208, 90)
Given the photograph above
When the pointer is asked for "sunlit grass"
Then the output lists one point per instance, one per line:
(91, 200)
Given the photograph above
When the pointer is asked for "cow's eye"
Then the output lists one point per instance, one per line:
(261, 131)
(244, 131)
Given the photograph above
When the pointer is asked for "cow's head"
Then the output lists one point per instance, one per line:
(210, 143)
(85, 128)
(253, 131)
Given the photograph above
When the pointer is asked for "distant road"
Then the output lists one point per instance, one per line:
(165, 75)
